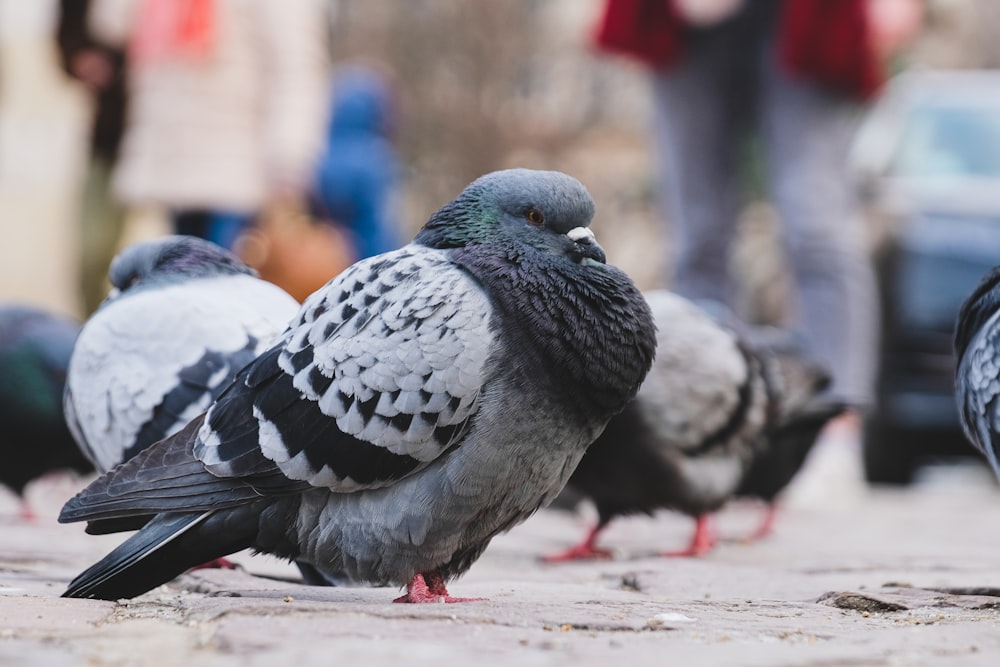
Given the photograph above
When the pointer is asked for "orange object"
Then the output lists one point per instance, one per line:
(166, 28)
(293, 251)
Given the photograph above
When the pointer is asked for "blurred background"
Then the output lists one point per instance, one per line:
(480, 86)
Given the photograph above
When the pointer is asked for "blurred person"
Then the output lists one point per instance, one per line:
(793, 74)
(102, 217)
(357, 177)
(226, 106)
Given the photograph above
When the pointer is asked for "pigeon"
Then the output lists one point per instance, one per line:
(420, 403)
(977, 367)
(35, 348)
(691, 433)
(184, 315)
(805, 409)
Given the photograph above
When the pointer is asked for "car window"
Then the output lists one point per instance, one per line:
(942, 141)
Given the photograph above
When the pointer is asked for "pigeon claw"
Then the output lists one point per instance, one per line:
(586, 550)
(766, 527)
(582, 551)
(429, 588)
(702, 541)
(26, 512)
(762, 531)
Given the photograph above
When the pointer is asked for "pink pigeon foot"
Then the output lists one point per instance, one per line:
(586, 550)
(26, 512)
(429, 587)
(702, 541)
(762, 531)
(766, 527)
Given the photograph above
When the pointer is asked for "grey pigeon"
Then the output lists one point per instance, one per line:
(420, 403)
(977, 373)
(691, 433)
(35, 348)
(183, 317)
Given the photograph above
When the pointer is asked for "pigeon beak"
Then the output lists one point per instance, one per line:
(586, 246)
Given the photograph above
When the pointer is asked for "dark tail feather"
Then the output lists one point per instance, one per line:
(163, 478)
(167, 546)
(123, 525)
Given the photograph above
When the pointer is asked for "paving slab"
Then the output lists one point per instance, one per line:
(906, 577)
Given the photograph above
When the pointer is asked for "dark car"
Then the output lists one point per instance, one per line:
(928, 157)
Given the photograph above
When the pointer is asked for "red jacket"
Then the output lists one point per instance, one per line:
(822, 40)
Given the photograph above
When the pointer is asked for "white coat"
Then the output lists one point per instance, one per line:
(225, 131)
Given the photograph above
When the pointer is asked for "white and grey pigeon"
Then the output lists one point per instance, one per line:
(420, 403)
(184, 315)
(977, 367)
(691, 433)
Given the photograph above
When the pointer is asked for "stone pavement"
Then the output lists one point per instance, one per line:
(907, 577)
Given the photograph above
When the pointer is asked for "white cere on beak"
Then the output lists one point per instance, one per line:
(581, 233)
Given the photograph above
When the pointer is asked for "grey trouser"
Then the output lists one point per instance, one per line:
(704, 109)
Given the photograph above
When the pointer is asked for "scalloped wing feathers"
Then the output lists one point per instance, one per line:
(374, 381)
(978, 390)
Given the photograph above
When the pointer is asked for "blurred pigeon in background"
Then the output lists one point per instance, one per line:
(804, 410)
(422, 402)
(977, 374)
(183, 317)
(692, 432)
(35, 348)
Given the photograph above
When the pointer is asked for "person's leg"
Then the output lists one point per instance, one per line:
(807, 131)
(102, 221)
(697, 132)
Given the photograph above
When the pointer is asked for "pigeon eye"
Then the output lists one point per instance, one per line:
(535, 217)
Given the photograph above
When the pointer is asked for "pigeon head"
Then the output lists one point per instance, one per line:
(171, 259)
(524, 236)
(519, 208)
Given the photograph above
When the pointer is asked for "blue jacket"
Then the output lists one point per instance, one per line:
(357, 176)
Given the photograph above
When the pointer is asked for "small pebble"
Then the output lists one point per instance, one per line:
(669, 617)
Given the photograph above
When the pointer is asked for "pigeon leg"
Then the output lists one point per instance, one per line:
(26, 512)
(766, 527)
(702, 541)
(429, 587)
(586, 550)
